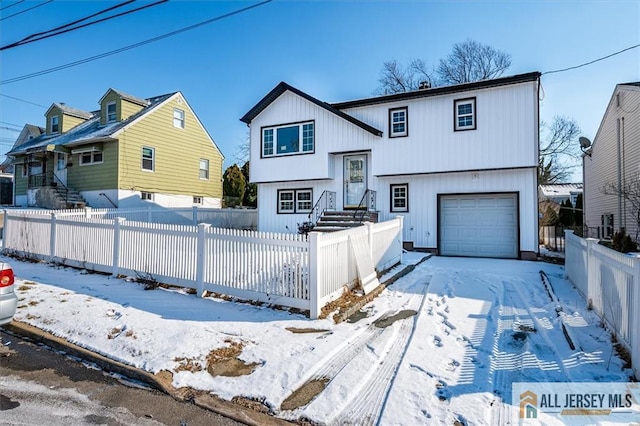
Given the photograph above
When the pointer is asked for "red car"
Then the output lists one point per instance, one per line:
(8, 298)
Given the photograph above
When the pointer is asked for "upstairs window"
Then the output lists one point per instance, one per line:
(204, 169)
(288, 139)
(398, 125)
(55, 124)
(111, 112)
(464, 114)
(148, 158)
(178, 118)
(400, 198)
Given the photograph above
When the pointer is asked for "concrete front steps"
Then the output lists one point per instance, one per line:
(332, 221)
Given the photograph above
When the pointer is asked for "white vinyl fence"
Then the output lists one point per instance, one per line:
(610, 281)
(282, 269)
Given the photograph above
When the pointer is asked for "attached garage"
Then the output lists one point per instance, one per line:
(478, 225)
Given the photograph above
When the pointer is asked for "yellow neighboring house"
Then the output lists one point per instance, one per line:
(132, 152)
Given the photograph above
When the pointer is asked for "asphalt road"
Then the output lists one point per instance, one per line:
(40, 386)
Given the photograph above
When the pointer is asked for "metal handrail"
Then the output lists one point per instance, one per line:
(48, 179)
(365, 206)
(327, 201)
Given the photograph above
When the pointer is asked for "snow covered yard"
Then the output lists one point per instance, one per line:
(442, 344)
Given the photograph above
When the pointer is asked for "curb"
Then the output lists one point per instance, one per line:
(376, 291)
(206, 401)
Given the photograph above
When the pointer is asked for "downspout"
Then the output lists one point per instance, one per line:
(620, 188)
(624, 175)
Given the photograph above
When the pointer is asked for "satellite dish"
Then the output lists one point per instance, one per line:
(584, 142)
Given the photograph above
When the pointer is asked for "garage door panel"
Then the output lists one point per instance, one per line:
(479, 225)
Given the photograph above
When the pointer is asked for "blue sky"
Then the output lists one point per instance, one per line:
(333, 50)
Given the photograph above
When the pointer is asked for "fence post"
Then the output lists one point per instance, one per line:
(592, 279)
(401, 234)
(194, 215)
(635, 336)
(87, 212)
(370, 237)
(4, 229)
(200, 256)
(116, 245)
(52, 238)
(149, 215)
(315, 275)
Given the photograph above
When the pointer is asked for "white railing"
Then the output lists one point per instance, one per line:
(282, 269)
(610, 282)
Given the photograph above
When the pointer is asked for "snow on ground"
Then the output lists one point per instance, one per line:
(442, 344)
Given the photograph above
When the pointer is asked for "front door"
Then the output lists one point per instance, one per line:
(355, 180)
(60, 168)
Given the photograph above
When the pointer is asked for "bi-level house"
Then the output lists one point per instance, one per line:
(613, 161)
(458, 162)
(129, 153)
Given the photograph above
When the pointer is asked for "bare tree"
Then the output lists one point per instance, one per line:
(394, 78)
(469, 61)
(559, 152)
(628, 190)
(472, 61)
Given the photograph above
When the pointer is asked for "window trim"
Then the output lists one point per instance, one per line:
(405, 133)
(180, 120)
(115, 112)
(93, 161)
(392, 207)
(300, 125)
(456, 102)
(200, 169)
(57, 123)
(294, 200)
(153, 159)
(147, 196)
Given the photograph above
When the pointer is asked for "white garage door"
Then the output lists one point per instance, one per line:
(479, 225)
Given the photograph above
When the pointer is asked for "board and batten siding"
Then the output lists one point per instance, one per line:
(332, 134)
(99, 176)
(506, 134)
(177, 154)
(620, 124)
(421, 221)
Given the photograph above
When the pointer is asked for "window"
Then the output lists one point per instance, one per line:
(178, 118)
(398, 125)
(464, 114)
(288, 139)
(61, 160)
(111, 112)
(400, 198)
(25, 167)
(55, 124)
(197, 200)
(204, 169)
(147, 196)
(295, 200)
(148, 158)
(607, 225)
(90, 157)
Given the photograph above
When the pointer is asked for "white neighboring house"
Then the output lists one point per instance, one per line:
(458, 162)
(560, 192)
(614, 158)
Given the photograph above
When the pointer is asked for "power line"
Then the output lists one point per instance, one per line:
(592, 62)
(26, 10)
(11, 124)
(22, 100)
(11, 5)
(20, 43)
(65, 28)
(131, 46)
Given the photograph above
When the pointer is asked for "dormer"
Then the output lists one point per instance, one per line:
(61, 118)
(118, 106)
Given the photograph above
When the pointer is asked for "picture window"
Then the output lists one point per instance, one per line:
(288, 139)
